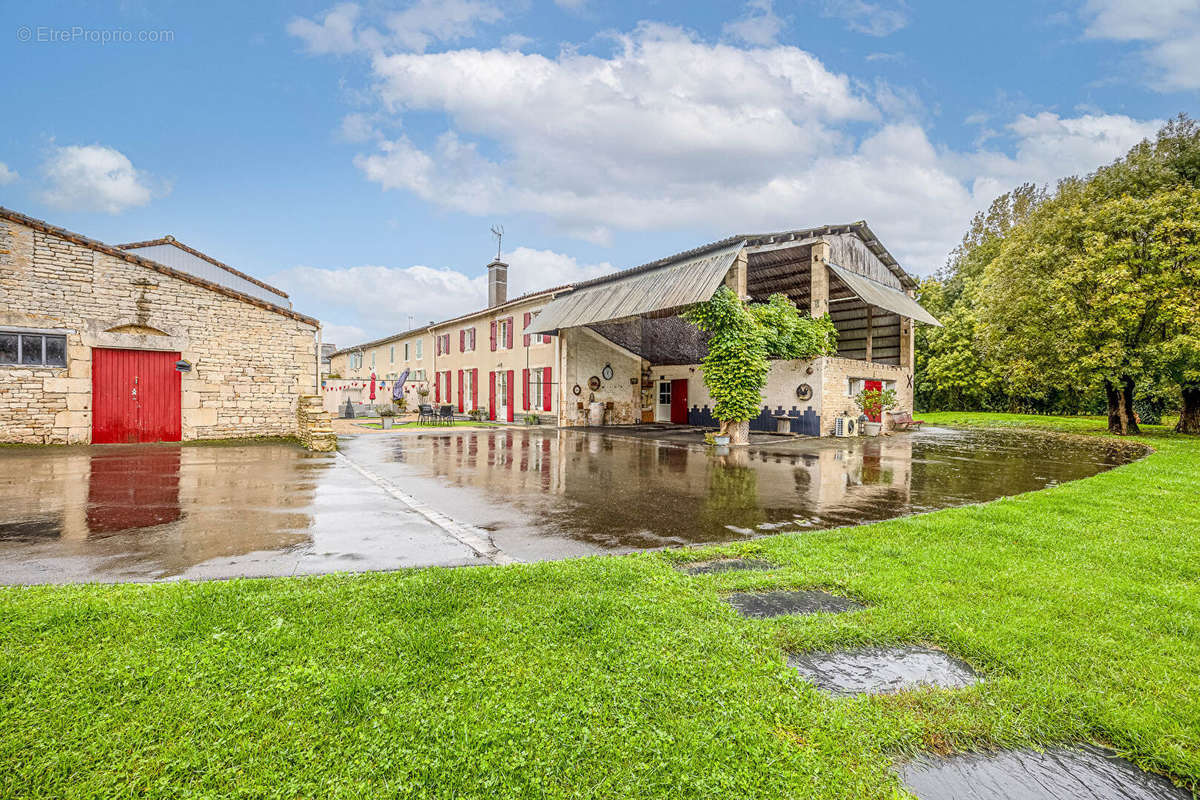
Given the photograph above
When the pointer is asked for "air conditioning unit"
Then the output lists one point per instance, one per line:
(845, 426)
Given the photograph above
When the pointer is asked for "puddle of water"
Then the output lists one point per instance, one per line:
(882, 670)
(547, 493)
(1085, 773)
(783, 603)
(729, 565)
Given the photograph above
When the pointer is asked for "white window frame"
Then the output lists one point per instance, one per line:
(418, 348)
(502, 334)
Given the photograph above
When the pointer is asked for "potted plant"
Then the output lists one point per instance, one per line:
(533, 419)
(874, 402)
(386, 417)
(402, 403)
(477, 414)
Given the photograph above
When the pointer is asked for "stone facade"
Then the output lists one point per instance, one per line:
(251, 361)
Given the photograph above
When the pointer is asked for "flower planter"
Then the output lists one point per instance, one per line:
(387, 422)
(872, 428)
(721, 441)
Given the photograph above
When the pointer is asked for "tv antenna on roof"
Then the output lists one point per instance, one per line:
(498, 232)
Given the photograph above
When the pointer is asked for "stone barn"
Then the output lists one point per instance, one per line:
(100, 344)
(626, 357)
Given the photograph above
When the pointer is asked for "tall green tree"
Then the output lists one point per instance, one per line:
(1084, 292)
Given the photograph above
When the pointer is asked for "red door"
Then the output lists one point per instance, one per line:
(679, 401)
(136, 396)
(878, 386)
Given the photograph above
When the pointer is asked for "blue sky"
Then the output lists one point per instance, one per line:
(357, 154)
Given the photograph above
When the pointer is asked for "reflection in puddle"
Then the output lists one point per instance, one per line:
(881, 670)
(608, 492)
(145, 512)
(1085, 773)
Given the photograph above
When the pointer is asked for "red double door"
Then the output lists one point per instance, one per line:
(136, 396)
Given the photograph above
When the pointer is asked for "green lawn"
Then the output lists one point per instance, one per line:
(619, 676)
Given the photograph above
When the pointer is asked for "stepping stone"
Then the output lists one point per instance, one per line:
(1083, 773)
(728, 565)
(778, 604)
(882, 670)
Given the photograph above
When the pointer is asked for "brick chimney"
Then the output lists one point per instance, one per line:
(497, 283)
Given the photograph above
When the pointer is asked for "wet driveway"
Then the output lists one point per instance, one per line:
(151, 512)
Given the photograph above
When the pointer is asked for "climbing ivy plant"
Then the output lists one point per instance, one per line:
(744, 337)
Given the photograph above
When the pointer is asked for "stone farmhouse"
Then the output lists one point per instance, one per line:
(151, 341)
(614, 351)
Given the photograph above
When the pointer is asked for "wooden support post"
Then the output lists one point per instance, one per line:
(870, 330)
(818, 304)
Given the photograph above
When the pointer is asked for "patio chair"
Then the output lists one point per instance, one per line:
(425, 413)
(446, 415)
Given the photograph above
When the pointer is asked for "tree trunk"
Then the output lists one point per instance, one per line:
(1121, 419)
(1189, 418)
(738, 432)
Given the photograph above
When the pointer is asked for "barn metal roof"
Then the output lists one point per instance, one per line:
(675, 284)
(876, 294)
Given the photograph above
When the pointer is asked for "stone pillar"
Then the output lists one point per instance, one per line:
(818, 303)
(735, 279)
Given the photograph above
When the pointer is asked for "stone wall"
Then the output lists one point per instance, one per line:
(315, 425)
(250, 364)
(585, 354)
(836, 373)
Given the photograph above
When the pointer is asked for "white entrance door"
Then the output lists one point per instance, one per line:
(502, 395)
(468, 391)
(662, 411)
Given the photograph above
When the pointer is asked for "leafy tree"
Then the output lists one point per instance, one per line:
(951, 369)
(743, 339)
(1083, 293)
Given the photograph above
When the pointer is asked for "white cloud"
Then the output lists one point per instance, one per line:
(94, 178)
(342, 335)
(343, 28)
(333, 34)
(760, 26)
(1170, 30)
(7, 175)
(1049, 147)
(671, 132)
(374, 301)
(873, 19)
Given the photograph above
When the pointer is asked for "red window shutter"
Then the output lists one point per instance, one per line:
(512, 389)
(493, 335)
(460, 391)
(449, 384)
(492, 390)
(508, 343)
(528, 317)
(525, 388)
(437, 387)
(462, 342)
(546, 388)
(474, 388)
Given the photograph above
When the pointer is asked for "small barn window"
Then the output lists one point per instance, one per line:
(33, 349)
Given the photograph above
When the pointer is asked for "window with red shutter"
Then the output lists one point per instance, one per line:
(527, 337)
(546, 388)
